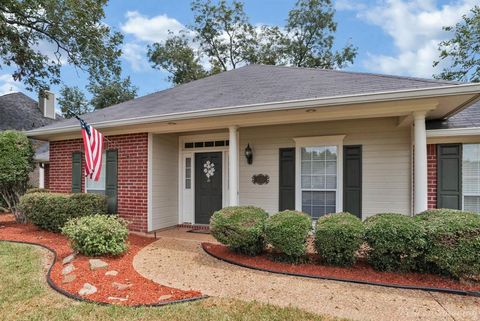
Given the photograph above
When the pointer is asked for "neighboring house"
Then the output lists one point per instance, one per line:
(322, 141)
(20, 112)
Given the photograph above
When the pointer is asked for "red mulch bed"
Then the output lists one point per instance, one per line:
(360, 272)
(142, 292)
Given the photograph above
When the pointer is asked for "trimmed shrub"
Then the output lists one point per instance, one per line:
(396, 242)
(240, 228)
(37, 190)
(97, 235)
(338, 237)
(50, 211)
(453, 242)
(287, 232)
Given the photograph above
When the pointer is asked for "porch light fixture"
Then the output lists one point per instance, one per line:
(249, 154)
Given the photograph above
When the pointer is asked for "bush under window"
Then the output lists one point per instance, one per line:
(50, 211)
(37, 190)
(453, 239)
(97, 235)
(338, 237)
(396, 242)
(288, 232)
(241, 228)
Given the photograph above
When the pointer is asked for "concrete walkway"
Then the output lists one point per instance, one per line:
(177, 260)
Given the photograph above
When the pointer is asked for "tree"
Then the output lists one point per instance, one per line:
(72, 29)
(226, 39)
(16, 162)
(109, 92)
(462, 52)
(72, 102)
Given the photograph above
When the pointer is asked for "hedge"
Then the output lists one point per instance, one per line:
(50, 211)
(97, 234)
(287, 232)
(396, 242)
(37, 190)
(241, 228)
(453, 239)
(338, 237)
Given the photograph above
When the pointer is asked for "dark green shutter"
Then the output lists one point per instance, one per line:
(76, 172)
(111, 181)
(287, 179)
(352, 180)
(449, 176)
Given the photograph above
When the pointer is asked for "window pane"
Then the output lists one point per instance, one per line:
(306, 182)
(188, 184)
(91, 185)
(331, 167)
(306, 167)
(318, 203)
(471, 177)
(331, 182)
(318, 182)
(318, 168)
(188, 162)
(471, 203)
(188, 173)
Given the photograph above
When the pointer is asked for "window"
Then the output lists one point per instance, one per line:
(319, 180)
(471, 177)
(188, 173)
(92, 186)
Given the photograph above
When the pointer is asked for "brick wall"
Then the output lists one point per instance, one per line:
(432, 175)
(132, 173)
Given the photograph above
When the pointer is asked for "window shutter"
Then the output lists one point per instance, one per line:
(449, 176)
(111, 180)
(76, 172)
(287, 179)
(352, 180)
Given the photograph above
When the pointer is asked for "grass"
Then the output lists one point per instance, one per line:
(25, 295)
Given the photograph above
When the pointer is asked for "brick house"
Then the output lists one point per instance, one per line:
(320, 141)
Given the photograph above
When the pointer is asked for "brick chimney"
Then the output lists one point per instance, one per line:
(46, 103)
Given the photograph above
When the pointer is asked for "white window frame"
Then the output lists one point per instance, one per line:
(318, 141)
(463, 176)
(102, 172)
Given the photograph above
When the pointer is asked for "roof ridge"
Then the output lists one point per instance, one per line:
(361, 73)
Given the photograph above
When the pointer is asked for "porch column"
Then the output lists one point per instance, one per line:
(420, 162)
(41, 175)
(233, 165)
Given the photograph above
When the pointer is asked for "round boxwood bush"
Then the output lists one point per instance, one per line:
(97, 234)
(240, 228)
(287, 232)
(453, 242)
(338, 237)
(50, 211)
(396, 242)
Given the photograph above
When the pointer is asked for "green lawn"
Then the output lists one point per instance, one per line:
(24, 295)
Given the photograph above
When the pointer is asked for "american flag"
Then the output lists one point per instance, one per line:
(93, 145)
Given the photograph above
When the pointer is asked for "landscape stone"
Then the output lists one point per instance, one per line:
(114, 298)
(164, 297)
(69, 278)
(87, 289)
(111, 273)
(68, 259)
(68, 269)
(96, 264)
(120, 286)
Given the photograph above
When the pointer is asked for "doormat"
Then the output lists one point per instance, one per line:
(199, 231)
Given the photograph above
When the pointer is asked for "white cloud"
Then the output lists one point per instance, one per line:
(416, 29)
(8, 85)
(135, 54)
(155, 29)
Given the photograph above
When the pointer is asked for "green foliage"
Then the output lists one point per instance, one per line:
(241, 228)
(227, 39)
(74, 31)
(37, 190)
(287, 232)
(73, 101)
(16, 163)
(453, 239)
(338, 237)
(97, 234)
(110, 90)
(397, 242)
(50, 211)
(462, 51)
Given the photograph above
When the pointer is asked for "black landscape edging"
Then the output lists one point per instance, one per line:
(388, 285)
(81, 299)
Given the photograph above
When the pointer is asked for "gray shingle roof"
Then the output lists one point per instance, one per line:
(469, 117)
(254, 84)
(20, 112)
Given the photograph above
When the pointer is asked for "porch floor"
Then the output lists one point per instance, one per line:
(178, 260)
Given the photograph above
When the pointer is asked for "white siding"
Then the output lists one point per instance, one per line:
(164, 181)
(386, 161)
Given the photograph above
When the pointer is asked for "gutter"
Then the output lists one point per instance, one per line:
(421, 93)
(470, 131)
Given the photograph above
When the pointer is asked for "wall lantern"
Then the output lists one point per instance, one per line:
(249, 154)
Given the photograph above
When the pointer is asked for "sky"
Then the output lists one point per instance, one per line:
(397, 37)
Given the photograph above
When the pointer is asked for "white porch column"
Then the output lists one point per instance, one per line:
(41, 175)
(420, 162)
(233, 165)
